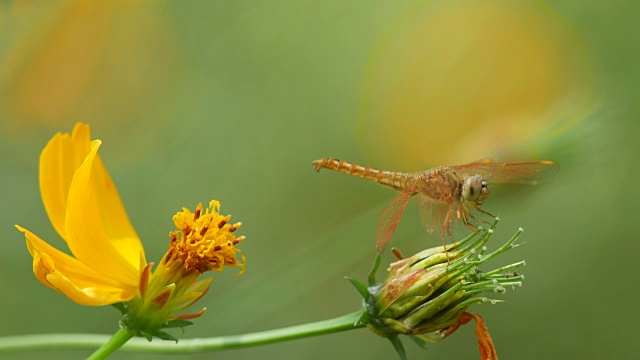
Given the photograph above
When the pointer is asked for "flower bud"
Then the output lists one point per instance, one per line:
(428, 294)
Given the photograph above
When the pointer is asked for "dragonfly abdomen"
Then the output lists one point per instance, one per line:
(395, 179)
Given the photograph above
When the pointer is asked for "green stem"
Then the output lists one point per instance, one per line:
(115, 342)
(84, 341)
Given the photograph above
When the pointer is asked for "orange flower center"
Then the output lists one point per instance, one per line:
(204, 241)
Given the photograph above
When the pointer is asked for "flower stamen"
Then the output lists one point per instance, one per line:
(224, 221)
(209, 248)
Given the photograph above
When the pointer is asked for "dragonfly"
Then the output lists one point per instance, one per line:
(446, 194)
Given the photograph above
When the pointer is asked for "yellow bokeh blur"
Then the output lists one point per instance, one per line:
(461, 81)
(72, 60)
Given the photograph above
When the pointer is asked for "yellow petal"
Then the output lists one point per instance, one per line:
(113, 216)
(58, 162)
(97, 228)
(72, 278)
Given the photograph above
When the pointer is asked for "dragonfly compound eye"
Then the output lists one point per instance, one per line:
(475, 188)
(484, 192)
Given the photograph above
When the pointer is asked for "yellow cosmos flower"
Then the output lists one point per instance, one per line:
(85, 209)
(109, 266)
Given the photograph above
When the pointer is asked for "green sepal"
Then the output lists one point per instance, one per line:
(147, 336)
(363, 320)
(374, 269)
(176, 323)
(165, 336)
(421, 342)
(122, 307)
(397, 344)
(362, 288)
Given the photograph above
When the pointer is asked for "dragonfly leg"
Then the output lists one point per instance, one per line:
(478, 219)
(466, 216)
(482, 211)
(446, 225)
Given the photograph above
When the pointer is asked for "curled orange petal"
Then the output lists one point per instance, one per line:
(486, 347)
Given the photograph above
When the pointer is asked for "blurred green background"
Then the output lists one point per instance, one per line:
(232, 100)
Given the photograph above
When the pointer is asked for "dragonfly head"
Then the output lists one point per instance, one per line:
(475, 188)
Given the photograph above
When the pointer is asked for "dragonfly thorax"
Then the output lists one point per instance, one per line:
(476, 189)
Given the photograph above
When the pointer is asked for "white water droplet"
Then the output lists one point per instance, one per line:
(490, 231)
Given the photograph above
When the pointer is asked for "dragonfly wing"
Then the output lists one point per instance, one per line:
(527, 172)
(390, 216)
(432, 213)
(439, 216)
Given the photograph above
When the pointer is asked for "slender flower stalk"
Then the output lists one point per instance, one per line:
(14, 344)
(114, 343)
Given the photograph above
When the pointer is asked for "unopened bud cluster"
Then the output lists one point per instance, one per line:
(427, 293)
